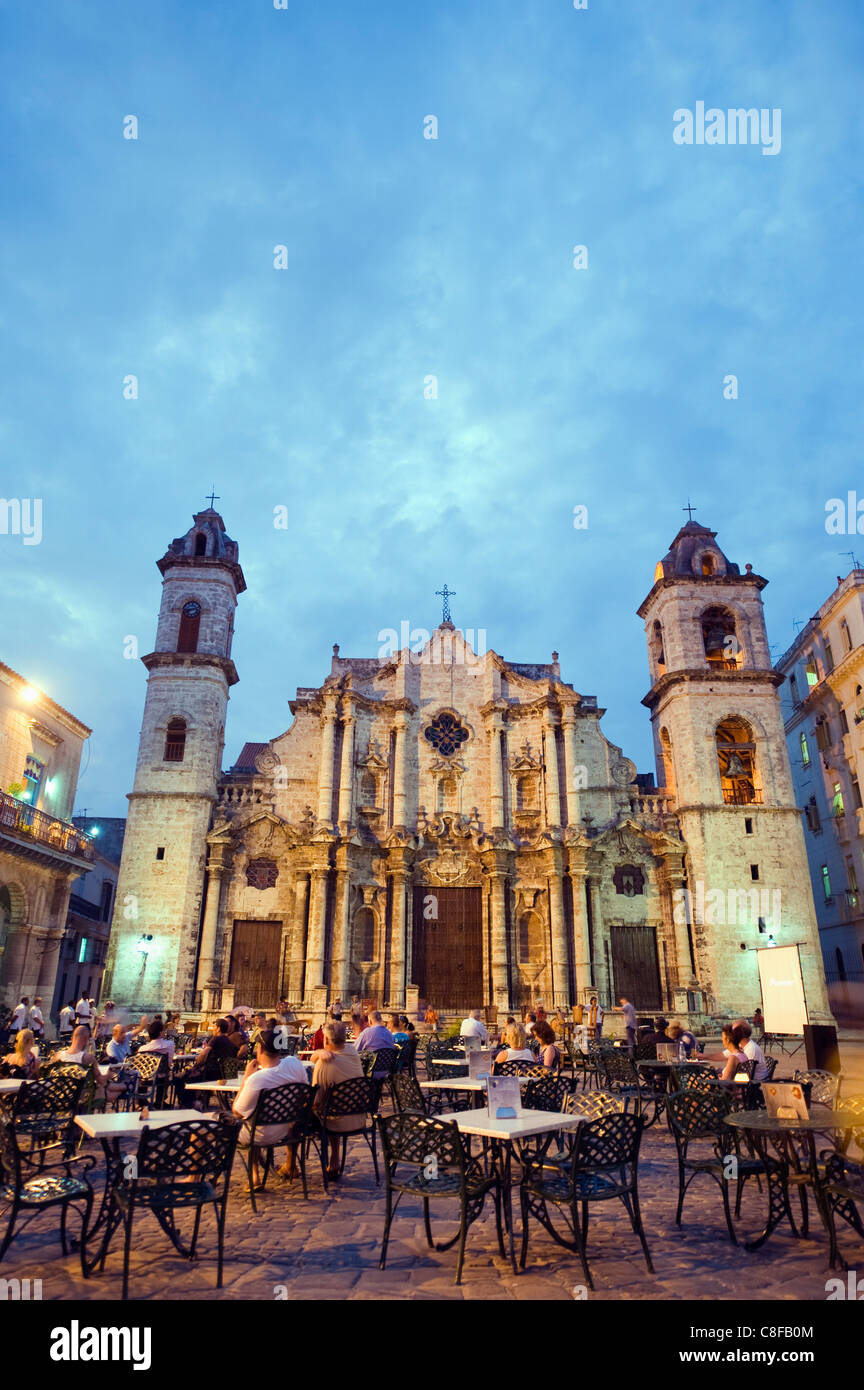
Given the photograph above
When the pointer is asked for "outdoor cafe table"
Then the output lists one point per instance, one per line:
(466, 1083)
(110, 1130)
(501, 1136)
(10, 1084)
(767, 1132)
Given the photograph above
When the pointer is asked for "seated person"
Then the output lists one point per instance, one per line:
(677, 1033)
(334, 1063)
(550, 1053)
(751, 1050)
(269, 1067)
(474, 1027)
(658, 1034)
(530, 1021)
(407, 1025)
(238, 1036)
(515, 1047)
(80, 1049)
(735, 1055)
(23, 1061)
(374, 1039)
(158, 1042)
(206, 1066)
(396, 1029)
(118, 1047)
(316, 1042)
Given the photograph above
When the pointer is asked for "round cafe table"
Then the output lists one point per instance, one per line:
(788, 1150)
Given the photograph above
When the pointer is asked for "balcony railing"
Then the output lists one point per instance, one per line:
(742, 796)
(35, 825)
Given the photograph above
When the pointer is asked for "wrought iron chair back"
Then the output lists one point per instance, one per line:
(145, 1063)
(356, 1096)
(695, 1114)
(55, 1185)
(824, 1085)
(191, 1149)
(519, 1069)
(701, 1078)
(608, 1143)
(57, 1095)
(411, 1139)
(290, 1103)
(544, 1093)
(231, 1067)
(407, 1095)
(593, 1104)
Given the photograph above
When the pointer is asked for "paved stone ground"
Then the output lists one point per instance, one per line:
(328, 1247)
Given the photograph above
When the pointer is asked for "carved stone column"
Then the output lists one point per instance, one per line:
(553, 789)
(560, 969)
(568, 723)
(346, 781)
(325, 766)
(208, 977)
(298, 940)
(317, 928)
(397, 940)
(500, 971)
(581, 925)
(672, 880)
(496, 773)
(401, 723)
(340, 934)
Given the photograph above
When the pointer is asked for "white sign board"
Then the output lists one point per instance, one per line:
(783, 1002)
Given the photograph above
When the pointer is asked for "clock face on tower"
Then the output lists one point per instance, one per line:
(191, 610)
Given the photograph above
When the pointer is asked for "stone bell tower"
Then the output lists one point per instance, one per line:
(720, 750)
(154, 935)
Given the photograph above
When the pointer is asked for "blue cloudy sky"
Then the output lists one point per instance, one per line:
(410, 257)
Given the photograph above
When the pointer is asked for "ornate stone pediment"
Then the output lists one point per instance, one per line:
(525, 760)
(449, 868)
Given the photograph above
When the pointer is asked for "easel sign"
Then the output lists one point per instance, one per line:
(783, 1001)
(504, 1097)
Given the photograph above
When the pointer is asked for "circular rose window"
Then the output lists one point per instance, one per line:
(446, 734)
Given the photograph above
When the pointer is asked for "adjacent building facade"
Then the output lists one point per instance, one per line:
(450, 825)
(41, 851)
(823, 707)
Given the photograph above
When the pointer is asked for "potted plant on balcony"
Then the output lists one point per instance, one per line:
(16, 789)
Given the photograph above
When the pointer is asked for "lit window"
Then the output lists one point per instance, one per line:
(810, 671)
(82, 951)
(837, 807)
(826, 883)
(805, 751)
(33, 773)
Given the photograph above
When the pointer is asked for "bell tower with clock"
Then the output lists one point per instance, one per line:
(154, 935)
(721, 754)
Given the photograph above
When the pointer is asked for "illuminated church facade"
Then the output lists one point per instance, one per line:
(452, 826)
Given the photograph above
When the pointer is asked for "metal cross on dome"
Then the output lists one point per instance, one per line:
(214, 497)
(446, 594)
(689, 510)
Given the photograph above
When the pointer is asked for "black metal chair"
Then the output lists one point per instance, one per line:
(439, 1166)
(152, 1068)
(53, 1185)
(696, 1116)
(580, 1063)
(287, 1105)
(406, 1060)
(185, 1166)
(231, 1067)
(43, 1112)
(545, 1093)
(621, 1077)
(354, 1100)
(702, 1077)
(408, 1098)
(518, 1069)
(840, 1192)
(603, 1165)
(824, 1086)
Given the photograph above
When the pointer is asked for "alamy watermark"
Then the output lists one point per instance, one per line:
(727, 907)
(21, 516)
(737, 126)
(432, 649)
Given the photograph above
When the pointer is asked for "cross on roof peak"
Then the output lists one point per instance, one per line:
(446, 594)
(214, 497)
(689, 510)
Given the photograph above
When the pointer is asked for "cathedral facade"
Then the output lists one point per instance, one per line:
(448, 825)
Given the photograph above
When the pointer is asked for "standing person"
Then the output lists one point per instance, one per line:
(358, 1020)
(759, 1022)
(430, 1018)
(82, 1010)
(37, 1022)
(629, 1013)
(595, 1017)
(474, 1027)
(20, 1014)
(67, 1020)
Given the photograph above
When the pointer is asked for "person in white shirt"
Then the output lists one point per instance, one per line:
(82, 1010)
(80, 1049)
(20, 1014)
(751, 1050)
(270, 1068)
(37, 1022)
(157, 1043)
(67, 1019)
(472, 1027)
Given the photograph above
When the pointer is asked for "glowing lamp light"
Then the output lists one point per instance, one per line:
(94, 830)
(771, 941)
